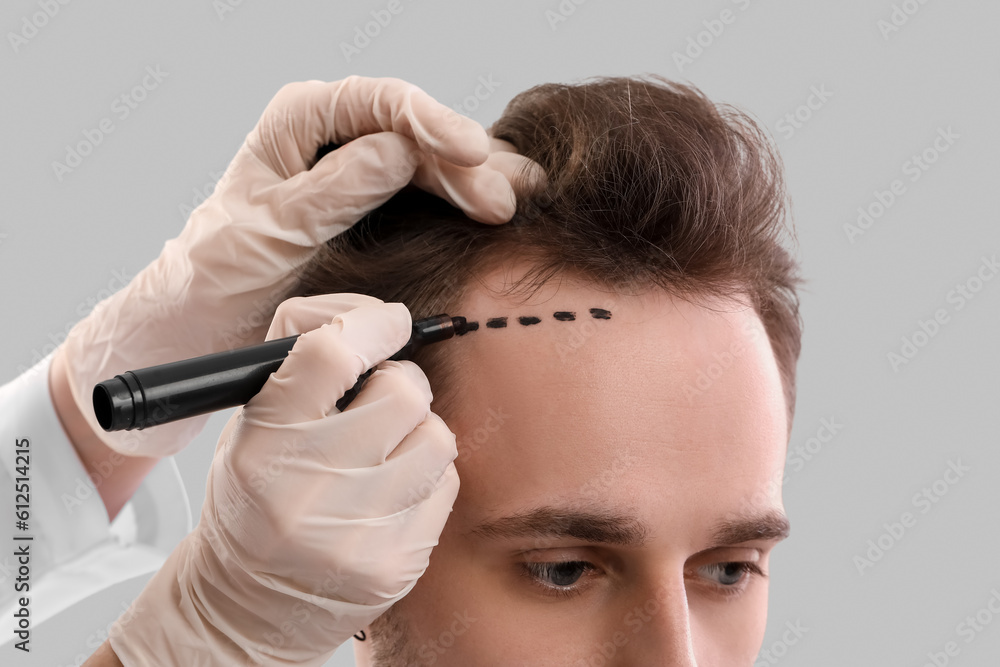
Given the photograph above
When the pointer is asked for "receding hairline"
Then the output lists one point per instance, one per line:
(648, 181)
(439, 362)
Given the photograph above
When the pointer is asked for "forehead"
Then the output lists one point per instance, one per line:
(649, 402)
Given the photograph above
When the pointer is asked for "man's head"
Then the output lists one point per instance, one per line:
(618, 471)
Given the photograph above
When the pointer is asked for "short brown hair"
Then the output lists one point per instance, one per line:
(649, 184)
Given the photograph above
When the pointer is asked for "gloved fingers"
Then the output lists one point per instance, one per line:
(397, 547)
(395, 399)
(299, 314)
(306, 115)
(325, 362)
(361, 175)
(332, 472)
(345, 185)
(374, 460)
(369, 105)
(483, 192)
(419, 528)
(514, 165)
(314, 486)
(409, 475)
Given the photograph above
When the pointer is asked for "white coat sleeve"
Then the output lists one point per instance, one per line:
(74, 550)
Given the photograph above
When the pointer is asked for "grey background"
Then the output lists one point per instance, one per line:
(61, 242)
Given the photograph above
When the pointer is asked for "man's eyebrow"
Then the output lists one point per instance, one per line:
(765, 525)
(623, 529)
(551, 522)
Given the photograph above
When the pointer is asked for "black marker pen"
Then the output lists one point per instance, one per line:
(180, 389)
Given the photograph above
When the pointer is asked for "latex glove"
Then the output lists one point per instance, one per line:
(315, 521)
(216, 286)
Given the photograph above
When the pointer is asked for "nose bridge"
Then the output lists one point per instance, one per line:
(659, 625)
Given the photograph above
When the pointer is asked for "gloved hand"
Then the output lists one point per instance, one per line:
(216, 286)
(315, 521)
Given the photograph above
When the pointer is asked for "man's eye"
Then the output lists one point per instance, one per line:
(558, 577)
(730, 575)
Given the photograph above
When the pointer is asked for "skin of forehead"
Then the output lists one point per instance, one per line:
(577, 398)
(593, 413)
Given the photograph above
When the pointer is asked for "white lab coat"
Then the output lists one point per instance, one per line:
(75, 552)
